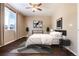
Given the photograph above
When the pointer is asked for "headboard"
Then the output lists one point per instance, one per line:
(37, 31)
(64, 32)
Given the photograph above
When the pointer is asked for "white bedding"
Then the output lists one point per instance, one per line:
(39, 39)
(46, 39)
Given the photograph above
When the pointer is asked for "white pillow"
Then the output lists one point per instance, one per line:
(56, 35)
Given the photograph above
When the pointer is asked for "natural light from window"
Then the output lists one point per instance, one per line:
(10, 19)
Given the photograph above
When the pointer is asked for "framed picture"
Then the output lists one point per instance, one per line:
(37, 24)
(59, 23)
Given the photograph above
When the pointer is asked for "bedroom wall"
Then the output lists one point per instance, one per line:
(20, 25)
(69, 14)
(46, 22)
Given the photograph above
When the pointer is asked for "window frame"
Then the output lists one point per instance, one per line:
(12, 9)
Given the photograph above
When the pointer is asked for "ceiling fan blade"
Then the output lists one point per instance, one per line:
(39, 9)
(27, 7)
(39, 4)
(31, 4)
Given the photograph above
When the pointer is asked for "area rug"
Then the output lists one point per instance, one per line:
(32, 49)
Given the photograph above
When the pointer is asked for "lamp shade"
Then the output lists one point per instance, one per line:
(48, 29)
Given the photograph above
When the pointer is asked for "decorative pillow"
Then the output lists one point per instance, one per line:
(64, 37)
(56, 35)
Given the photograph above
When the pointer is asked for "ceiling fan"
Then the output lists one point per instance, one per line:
(35, 6)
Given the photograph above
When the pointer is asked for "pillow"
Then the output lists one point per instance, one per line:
(64, 37)
(56, 35)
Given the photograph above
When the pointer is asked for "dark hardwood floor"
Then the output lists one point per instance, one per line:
(57, 51)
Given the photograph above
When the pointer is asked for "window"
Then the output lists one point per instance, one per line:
(10, 19)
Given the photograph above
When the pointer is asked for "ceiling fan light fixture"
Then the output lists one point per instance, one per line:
(34, 9)
(35, 6)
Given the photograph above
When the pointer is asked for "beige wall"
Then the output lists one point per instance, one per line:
(69, 14)
(20, 26)
(46, 22)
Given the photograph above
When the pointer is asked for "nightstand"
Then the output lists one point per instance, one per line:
(64, 42)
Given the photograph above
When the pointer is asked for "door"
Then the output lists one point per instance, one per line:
(9, 25)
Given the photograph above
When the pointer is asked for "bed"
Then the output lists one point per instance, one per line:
(46, 39)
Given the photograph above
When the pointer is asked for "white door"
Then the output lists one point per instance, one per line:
(9, 26)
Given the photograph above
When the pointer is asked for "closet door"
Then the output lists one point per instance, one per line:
(9, 26)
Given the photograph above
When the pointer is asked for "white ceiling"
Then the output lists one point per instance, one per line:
(47, 9)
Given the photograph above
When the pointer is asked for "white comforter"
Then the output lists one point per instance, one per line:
(39, 39)
(46, 39)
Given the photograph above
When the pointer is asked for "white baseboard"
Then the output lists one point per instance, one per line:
(0, 46)
(10, 42)
(21, 37)
(71, 51)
